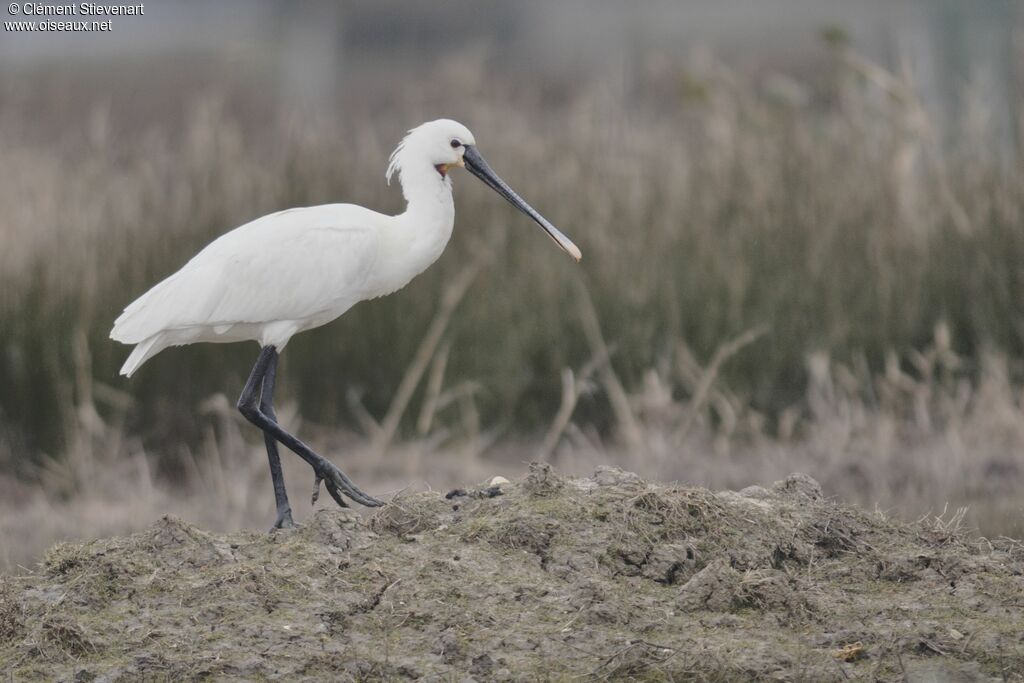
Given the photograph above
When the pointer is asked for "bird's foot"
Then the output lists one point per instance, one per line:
(330, 489)
(337, 483)
(284, 520)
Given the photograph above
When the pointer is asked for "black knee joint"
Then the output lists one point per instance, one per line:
(248, 408)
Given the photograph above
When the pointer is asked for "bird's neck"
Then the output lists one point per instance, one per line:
(430, 209)
(413, 240)
(426, 190)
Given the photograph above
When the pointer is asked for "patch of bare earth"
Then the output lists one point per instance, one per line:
(605, 578)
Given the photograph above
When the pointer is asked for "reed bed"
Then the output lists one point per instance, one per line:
(777, 275)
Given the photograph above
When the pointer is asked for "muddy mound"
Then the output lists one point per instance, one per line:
(607, 578)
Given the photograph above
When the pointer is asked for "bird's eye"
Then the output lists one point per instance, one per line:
(456, 144)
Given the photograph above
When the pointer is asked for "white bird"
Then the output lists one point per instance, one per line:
(298, 269)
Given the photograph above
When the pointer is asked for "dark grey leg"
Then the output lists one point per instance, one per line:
(334, 479)
(284, 510)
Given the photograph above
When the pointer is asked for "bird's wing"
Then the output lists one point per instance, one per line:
(291, 265)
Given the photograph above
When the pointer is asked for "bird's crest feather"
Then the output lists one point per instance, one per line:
(395, 160)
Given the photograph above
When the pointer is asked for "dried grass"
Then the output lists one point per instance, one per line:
(768, 286)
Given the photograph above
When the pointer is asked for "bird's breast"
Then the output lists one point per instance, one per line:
(408, 248)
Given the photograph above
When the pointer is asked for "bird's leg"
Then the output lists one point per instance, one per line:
(284, 510)
(334, 479)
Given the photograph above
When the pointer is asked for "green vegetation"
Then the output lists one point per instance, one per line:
(835, 219)
(785, 276)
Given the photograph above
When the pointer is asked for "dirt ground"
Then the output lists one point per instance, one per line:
(543, 579)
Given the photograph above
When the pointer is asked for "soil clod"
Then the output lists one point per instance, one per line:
(543, 578)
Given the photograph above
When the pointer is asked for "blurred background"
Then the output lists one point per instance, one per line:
(802, 224)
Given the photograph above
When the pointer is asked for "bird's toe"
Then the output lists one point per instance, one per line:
(284, 521)
(338, 484)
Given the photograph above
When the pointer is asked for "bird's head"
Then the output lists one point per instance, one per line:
(441, 144)
(445, 144)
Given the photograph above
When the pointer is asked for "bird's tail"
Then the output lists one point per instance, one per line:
(142, 352)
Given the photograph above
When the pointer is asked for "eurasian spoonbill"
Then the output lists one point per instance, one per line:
(301, 268)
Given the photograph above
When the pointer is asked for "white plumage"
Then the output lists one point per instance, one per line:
(266, 280)
(298, 269)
